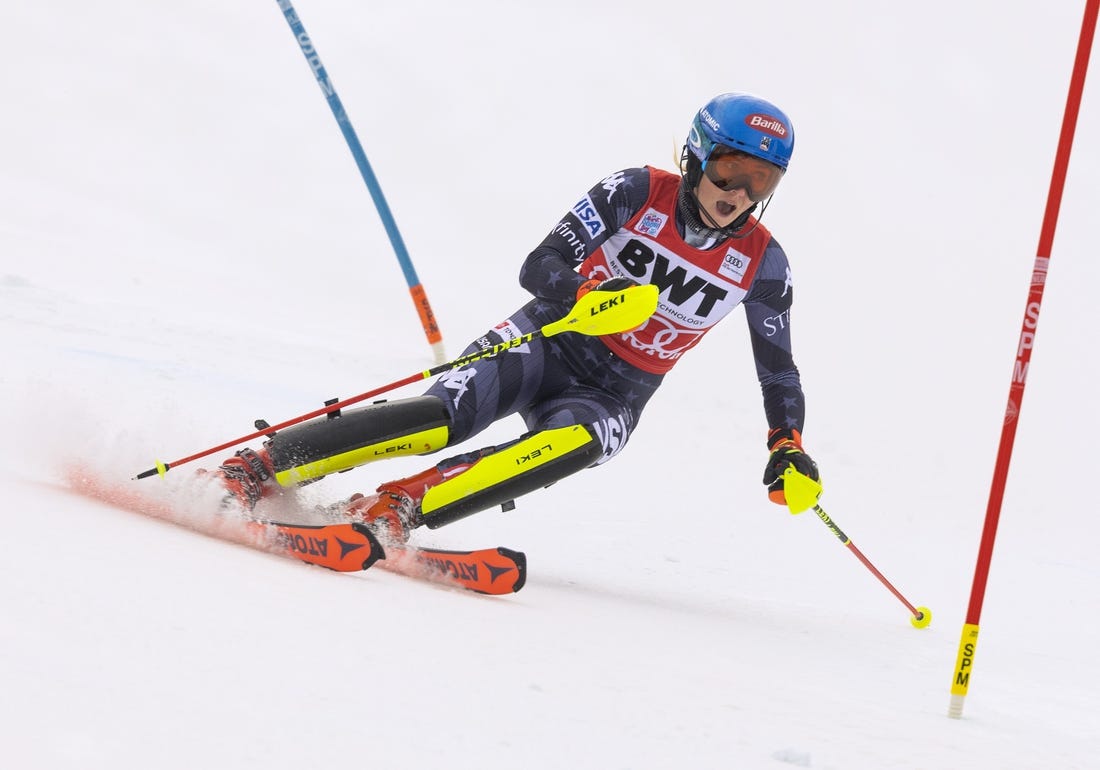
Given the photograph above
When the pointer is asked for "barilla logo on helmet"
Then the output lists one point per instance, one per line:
(768, 124)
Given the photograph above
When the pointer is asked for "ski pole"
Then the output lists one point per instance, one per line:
(594, 314)
(416, 289)
(802, 492)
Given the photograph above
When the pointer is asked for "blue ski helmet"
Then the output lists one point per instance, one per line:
(746, 123)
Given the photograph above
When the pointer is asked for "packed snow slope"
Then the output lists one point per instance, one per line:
(186, 245)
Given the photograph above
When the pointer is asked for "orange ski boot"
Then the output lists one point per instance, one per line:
(394, 511)
(389, 516)
(248, 477)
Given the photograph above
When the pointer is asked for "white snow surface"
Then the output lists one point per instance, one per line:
(187, 245)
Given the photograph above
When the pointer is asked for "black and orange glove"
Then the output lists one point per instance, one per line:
(786, 449)
(604, 284)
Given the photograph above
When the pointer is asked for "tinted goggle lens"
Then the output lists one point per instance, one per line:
(731, 170)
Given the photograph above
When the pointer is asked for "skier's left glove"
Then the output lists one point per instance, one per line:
(605, 284)
(786, 449)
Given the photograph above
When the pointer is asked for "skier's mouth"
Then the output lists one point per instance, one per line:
(724, 209)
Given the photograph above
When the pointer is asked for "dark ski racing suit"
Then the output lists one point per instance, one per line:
(630, 224)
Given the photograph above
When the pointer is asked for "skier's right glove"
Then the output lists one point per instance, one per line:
(786, 449)
(604, 284)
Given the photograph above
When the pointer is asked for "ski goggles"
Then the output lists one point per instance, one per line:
(729, 169)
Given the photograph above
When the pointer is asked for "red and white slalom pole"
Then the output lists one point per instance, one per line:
(967, 645)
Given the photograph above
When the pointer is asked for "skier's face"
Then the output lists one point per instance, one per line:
(721, 205)
(732, 181)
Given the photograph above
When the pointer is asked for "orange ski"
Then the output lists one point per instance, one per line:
(485, 571)
(341, 547)
(345, 547)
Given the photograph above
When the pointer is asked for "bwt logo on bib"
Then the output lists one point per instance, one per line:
(672, 280)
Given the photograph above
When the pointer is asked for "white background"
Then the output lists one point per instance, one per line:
(187, 245)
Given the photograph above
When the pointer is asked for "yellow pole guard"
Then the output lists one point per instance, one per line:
(533, 451)
(963, 664)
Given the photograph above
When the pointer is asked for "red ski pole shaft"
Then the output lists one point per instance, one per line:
(920, 614)
(162, 468)
(802, 492)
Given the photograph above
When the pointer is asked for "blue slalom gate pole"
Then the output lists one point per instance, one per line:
(416, 290)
